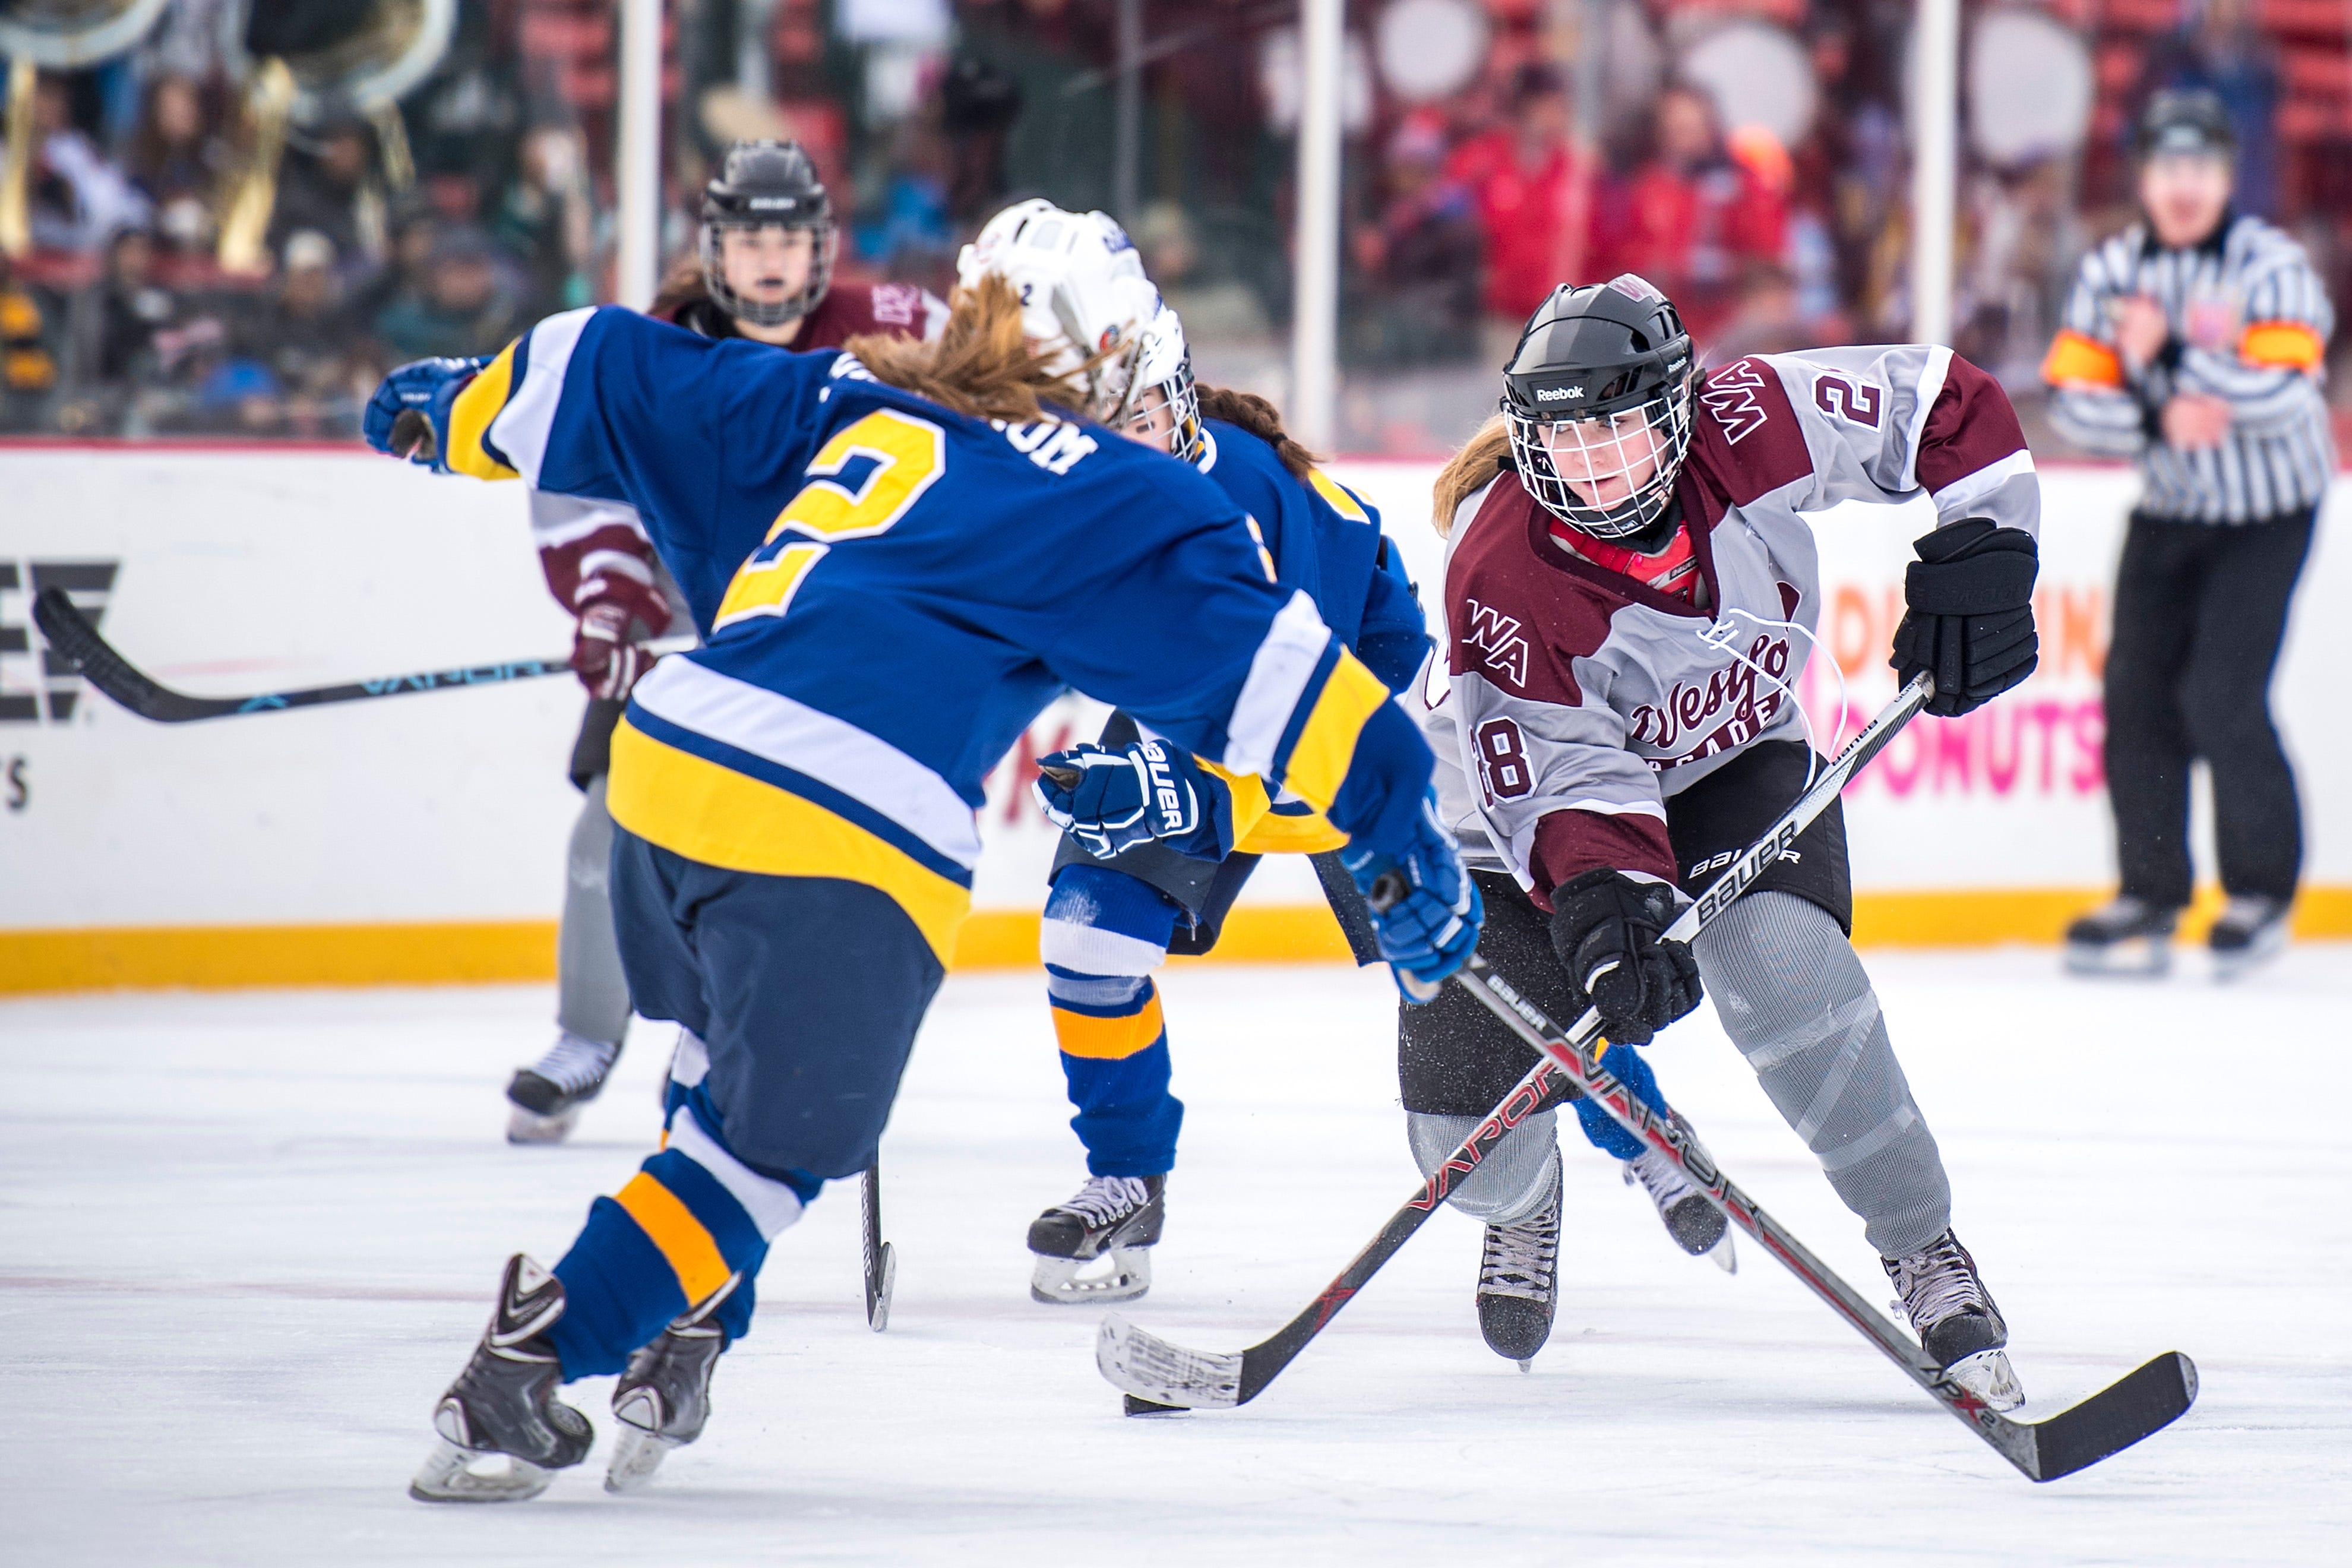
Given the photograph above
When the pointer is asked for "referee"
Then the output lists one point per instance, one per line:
(2193, 341)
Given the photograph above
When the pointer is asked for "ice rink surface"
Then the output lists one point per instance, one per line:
(247, 1239)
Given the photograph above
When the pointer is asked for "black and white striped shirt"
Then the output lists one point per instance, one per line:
(2250, 324)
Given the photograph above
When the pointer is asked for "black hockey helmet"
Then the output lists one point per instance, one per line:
(1603, 372)
(2190, 120)
(765, 185)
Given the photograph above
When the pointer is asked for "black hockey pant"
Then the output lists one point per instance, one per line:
(2199, 614)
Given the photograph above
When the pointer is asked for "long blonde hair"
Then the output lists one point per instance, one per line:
(980, 365)
(1474, 468)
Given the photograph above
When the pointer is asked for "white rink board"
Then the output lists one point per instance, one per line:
(242, 571)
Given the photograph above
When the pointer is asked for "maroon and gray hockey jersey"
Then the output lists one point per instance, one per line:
(1579, 699)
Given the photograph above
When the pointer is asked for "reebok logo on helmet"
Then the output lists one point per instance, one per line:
(1558, 393)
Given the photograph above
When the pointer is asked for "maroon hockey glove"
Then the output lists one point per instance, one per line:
(608, 662)
(1609, 930)
(1969, 620)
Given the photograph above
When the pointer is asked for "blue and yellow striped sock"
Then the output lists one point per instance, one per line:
(692, 1217)
(1104, 933)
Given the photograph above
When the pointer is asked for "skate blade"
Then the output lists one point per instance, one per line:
(1058, 1282)
(1989, 1376)
(1135, 1360)
(2232, 966)
(1725, 1256)
(530, 1127)
(2138, 959)
(637, 1455)
(448, 1475)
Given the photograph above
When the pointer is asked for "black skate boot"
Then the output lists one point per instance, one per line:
(1118, 1216)
(664, 1397)
(1955, 1320)
(2248, 931)
(1517, 1282)
(2126, 936)
(1697, 1226)
(504, 1402)
(547, 1095)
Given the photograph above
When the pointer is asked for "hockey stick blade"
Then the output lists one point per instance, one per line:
(1138, 1363)
(70, 634)
(2110, 1420)
(1146, 1367)
(881, 1262)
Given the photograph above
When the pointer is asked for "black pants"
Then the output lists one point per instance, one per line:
(2200, 613)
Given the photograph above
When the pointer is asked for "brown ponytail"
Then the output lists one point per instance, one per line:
(1259, 417)
(1472, 468)
(980, 365)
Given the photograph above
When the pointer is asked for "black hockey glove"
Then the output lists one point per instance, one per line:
(1608, 931)
(1969, 620)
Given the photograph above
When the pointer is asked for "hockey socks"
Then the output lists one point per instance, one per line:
(690, 1218)
(1104, 933)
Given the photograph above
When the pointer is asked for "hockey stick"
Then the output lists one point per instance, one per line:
(1157, 1373)
(881, 1262)
(70, 634)
(1158, 1376)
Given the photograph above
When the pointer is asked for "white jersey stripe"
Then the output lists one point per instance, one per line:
(862, 767)
(1278, 675)
(521, 427)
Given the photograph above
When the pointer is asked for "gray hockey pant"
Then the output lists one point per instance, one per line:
(1508, 1185)
(591, 997)
(1793, 997)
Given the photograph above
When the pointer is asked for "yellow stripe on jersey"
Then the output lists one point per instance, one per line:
(709, 812)
(1258, 830)
(693, 1254)
(1341, 499)
(1108, 1039)
(1318, 763)
(483, 399)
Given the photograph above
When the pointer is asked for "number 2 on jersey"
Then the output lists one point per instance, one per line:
(908, 455)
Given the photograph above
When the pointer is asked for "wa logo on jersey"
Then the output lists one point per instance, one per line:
(1730, 395)
(55, 687)
(1499, 642)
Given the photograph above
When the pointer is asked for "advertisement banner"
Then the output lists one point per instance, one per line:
(422, 838)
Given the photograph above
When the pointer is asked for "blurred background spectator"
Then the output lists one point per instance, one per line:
(1750, 156)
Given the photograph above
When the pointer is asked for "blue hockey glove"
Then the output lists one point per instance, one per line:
(409, 414)
(1113, 800)
(1425, 909)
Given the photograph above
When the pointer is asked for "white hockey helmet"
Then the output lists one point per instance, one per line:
(1083, 292)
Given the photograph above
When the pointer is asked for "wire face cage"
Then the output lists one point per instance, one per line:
(1625, 461)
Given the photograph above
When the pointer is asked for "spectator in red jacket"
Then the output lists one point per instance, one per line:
(1691, 218)
(1533, 193)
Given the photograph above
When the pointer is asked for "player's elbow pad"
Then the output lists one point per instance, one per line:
(1381, 798)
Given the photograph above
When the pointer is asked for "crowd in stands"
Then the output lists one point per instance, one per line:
(1459, 214)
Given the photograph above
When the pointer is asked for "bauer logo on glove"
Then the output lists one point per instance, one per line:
(1110, 801)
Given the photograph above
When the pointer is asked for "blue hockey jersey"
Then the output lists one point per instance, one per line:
(1324, 539)
(890, 592)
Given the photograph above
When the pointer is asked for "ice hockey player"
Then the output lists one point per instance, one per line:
(794, 830)
(1112, 920)
(764, 272)
(1630, 591)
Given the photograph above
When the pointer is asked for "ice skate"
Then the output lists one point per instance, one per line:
(2126, 936)
(504, 1403)
(1518, 1279)
(2247, 933)
(664, 1397)
(546, 1096)
(1697, 1226)
(1116, 1218)
(1955, 1320)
